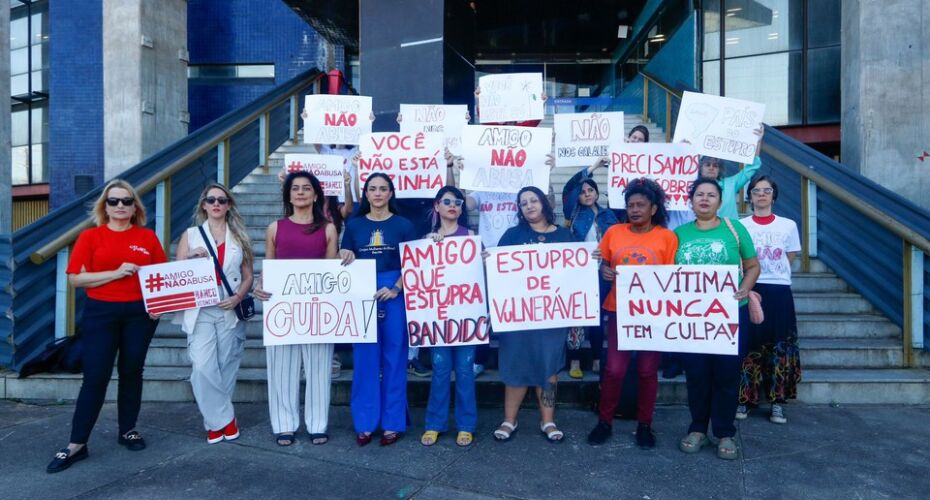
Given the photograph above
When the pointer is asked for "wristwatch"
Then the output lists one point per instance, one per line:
(396, 289)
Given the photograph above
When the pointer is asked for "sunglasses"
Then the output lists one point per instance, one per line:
(761, 190)
(210, 200)
(116, 201)
(448, 202)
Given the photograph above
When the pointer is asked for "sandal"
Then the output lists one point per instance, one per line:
(554, 436)
(363, 438)
(505, 431)
(285, 439)
(429, 438)
(693, 442)
(319, 438)
(726, 449)
(464, 439)
(389, 438)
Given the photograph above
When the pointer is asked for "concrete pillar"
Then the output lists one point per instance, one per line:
(886, 64)
(6, 166)
(144, 79)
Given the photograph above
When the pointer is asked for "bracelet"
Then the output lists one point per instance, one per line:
(396, 289)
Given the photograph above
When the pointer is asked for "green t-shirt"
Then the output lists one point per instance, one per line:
(715, 246)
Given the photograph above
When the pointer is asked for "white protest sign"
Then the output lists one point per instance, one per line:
(674, 166)
(328, 169)
(336, 119)
(179, 285)
(503, 159)
(444, 292)
(543, 286)
(318, 301)
(582, 138)
(510, 97)
(720, 127)
(446, 119)
(678, 309)
(414, 162)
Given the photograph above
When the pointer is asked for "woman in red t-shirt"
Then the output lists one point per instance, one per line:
(114, 325)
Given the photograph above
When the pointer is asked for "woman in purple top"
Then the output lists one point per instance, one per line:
(449, 218)
(304, 233)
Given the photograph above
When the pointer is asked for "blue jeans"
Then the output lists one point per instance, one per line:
(437, 410)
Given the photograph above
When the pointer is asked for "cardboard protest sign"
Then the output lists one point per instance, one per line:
(447, 119)
(720, 127)
(674, 166)
(582, 138)
(503, 159)
(336, 119)
(316, 301)
(328, 169)
(543, 286)
(678, 309)
(414, 162)
(510, 97)
(444, 292)
(179, 285)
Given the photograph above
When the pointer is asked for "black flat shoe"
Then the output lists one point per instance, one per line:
(600, 434)
(645, 438)
(132, 441)
(64, 459)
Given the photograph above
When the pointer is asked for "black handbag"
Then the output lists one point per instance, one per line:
(245, 309)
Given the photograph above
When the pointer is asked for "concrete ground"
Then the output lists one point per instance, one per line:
(824, 452)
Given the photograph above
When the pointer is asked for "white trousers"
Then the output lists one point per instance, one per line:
(215, 354)
(284, 386)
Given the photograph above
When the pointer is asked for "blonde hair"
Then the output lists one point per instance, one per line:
(233, 220)
(99, 211)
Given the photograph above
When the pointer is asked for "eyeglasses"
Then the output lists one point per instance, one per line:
(761, 190)
(116, 201)
(447, 202)
(210, 200)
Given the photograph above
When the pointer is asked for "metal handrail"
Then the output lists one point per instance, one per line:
(51, 248)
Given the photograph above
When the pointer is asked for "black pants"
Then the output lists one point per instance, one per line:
(713, 385)
(108, 328)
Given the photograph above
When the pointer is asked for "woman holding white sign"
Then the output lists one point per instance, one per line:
(379, 383)
(713, 168)
(304, 233)
(713, 379)
(215, 336)
(532, 357)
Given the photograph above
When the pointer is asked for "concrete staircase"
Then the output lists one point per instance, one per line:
(850, 354)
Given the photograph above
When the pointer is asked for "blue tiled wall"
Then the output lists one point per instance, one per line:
(75, 96)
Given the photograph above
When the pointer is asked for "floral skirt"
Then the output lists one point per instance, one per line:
(771, 370)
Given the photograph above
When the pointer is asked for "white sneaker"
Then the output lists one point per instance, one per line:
(742, 412)
(778, 415)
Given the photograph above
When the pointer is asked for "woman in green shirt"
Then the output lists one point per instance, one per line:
(713, 379)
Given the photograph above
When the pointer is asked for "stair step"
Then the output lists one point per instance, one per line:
(849, 326)
(831, 303)
(851, 353)
(817, 282)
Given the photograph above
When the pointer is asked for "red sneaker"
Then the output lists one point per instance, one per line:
(214, 437)
(231, 431)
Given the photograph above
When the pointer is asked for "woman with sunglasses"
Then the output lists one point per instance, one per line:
(449, 219)
(772, 368)
(114, 326)
(303, 233)
(215, 336)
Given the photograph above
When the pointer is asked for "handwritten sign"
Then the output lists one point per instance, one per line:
(582, 138)
(179, 285)
(720, 127)
(543, 286)
(319, 302)
(336, 119)
(447, 120)
(444, 292)
(328, 169)
(510, 97)
(678, 309)
(503, 159)
(415, 163)
(674, 166)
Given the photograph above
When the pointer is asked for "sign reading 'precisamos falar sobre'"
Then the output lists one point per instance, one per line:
(179, 285)
(543, 286)
(721, 127)
(503, 159)
(336, 119)
(673, 166)
(678, 309)
(319, 302)
(582, 138)
(444, 292)
(414, 162)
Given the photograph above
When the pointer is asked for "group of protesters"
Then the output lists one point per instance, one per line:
(721, 388)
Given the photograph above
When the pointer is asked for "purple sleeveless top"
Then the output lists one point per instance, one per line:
(292, 242)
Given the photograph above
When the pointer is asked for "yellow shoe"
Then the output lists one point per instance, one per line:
(576, 373)
(464, 438)
(429, 438)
